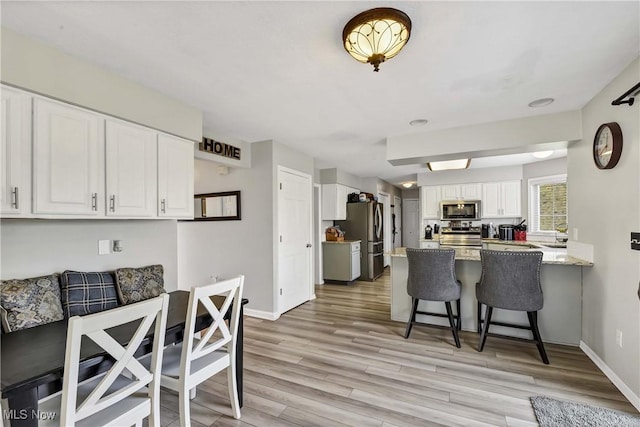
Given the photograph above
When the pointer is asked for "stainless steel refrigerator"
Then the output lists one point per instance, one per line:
(364, 222)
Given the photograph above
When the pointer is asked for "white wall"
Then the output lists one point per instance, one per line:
(604, 206)
(536, 170)
(505, 173)
(529, 134)
(37, 67)
(31, 248)
(248, 246)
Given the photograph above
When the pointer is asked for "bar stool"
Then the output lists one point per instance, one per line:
(432, 278)
(510, 280)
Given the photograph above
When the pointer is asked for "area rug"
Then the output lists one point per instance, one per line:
(557, 413)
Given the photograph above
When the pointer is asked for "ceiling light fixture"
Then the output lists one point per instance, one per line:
(376, 35)
(449, 164)
(542, 154)
(541, 102)
(408, 184)
(419, 122)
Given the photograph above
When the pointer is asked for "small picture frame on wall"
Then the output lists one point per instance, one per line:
(222, 206)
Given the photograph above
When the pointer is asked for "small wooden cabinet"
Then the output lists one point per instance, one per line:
(341, 261)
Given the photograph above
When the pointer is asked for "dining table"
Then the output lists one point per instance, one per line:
(32, 360)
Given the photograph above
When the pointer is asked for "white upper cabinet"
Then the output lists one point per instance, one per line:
(175, 177)
(471, 191)
(462, 191)
(430, 198)
(334, 201)
(68, 160)
(131, 154)
(501, 199)
(450, 192)
(15, 154)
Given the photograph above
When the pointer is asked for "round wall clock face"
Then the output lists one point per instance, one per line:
(607, 145)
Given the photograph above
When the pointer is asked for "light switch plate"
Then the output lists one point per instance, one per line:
(104, 247)
(635, 241)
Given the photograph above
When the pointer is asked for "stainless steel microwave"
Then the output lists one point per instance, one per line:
(452, 210)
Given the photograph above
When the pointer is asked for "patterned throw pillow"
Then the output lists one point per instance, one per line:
(86, 293)
(138, 284)
(30, 302)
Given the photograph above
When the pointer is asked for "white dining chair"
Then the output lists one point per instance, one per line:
(128, 392)
(197, 359)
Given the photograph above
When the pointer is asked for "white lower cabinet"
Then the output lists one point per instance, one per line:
(175, 177)
(341, 261)
(132, 165)
(68, 160)
(429, 244)
(15, 154)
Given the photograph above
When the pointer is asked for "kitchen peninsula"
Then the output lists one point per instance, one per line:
(560, 320)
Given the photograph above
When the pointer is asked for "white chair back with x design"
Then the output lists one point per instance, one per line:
(128, 392)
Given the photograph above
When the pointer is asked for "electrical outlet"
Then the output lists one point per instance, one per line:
(619, 337)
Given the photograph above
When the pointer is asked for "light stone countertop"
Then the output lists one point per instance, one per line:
(342, 242)
(558, 257)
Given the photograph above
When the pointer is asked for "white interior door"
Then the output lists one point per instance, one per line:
(385, 199)
(295, 282)
(397, 210)
(411, 223)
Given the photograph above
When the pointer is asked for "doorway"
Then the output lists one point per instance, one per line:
(295, 219)
(411, 223)
(397, 222)
(385, 199)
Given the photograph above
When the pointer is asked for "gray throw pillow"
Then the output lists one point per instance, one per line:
(85, 293)
(30, 302)
(138, 284)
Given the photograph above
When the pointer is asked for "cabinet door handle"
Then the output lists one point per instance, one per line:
(112, 203)
(14, 195)
(163, 206)
(94, 201)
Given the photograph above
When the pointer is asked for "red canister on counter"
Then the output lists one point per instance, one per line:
(521, 235)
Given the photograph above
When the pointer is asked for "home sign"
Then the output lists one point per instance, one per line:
(209, 145)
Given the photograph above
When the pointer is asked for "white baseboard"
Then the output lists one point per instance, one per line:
(624, 389)
(261, 314)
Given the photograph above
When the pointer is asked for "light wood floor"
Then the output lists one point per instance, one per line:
(339, 360)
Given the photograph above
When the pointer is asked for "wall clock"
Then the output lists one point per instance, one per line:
(607, 145)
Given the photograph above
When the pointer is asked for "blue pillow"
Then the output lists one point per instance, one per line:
(86, 293)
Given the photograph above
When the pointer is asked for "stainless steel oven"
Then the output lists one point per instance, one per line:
(455, 210)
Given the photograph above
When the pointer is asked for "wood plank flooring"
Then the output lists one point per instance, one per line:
(340, 361)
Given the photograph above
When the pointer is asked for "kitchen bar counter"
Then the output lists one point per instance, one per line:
(548, 257)
(560, 320)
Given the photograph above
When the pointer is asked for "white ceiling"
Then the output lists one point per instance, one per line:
(277, 70)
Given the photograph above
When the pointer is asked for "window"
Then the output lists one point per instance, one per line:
(547, 204)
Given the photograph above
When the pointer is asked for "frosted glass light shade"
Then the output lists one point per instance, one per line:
(449, 164)
(376, 35)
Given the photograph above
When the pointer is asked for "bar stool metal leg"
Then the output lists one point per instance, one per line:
(459, 315)
(479, 317)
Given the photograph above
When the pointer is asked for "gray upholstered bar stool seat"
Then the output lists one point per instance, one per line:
(432, 278)
(510, 280)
